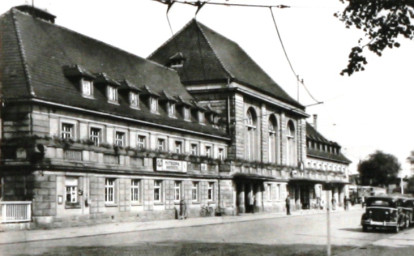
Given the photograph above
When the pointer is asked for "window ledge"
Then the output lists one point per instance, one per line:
(88, 97)
(72, 205)
(158, 203)
(113, 102)
(110, 205)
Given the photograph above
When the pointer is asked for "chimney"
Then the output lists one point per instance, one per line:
(315, 121)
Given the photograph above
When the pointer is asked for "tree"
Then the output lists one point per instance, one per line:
(383, 22)
(410, 185)
(380, 169)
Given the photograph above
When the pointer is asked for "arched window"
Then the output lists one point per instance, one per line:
(251, 134)
(291, 144)
(273, 140)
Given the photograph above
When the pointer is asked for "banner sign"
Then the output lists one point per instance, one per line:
(168, 165)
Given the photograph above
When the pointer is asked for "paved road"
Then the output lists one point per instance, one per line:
(304, 230)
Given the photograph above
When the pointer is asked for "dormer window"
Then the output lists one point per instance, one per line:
(110, 86)
(186, 113)
(171, 109)
(82, 77)
(153, 102)
(176, 61)
(130, 92)
(112, 94)
(201, 117)
(87, 88)
(133, 100)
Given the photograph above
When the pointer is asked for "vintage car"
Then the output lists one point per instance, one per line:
(385, 212)
(408, 207)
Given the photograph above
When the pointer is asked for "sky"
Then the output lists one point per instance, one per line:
(368, 111)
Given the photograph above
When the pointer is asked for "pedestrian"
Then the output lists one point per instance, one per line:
(253, 205)
(345, 203)
(288, 205)
(183, 210)
(333, 203)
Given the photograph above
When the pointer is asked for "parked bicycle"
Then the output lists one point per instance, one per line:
(206, 211)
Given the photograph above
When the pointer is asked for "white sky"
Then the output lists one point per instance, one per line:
(366, 112)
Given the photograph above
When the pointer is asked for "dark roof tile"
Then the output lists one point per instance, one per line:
(210, 56)
(36, 52)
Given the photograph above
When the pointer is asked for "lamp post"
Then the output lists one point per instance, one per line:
(327, 188)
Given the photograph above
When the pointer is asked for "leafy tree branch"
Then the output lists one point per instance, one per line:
(383, 22)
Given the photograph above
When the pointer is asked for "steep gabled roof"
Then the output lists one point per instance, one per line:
(211, 57)
(313, 135)
(35, 55)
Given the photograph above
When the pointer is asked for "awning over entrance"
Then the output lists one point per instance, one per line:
(312, 181)
(251, 176)
(305, 181)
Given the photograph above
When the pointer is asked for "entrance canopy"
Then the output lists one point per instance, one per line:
(251, 176)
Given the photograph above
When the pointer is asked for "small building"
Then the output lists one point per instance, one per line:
(331, 166)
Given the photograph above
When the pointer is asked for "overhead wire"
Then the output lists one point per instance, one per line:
(288, 59)
(200, 4)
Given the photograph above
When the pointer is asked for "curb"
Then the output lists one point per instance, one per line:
(16, 237)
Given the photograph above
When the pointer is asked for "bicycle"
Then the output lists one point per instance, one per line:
(206, 211)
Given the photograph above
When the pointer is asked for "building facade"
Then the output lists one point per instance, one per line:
(93, 134)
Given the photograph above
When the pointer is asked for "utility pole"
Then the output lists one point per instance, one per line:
(328, 224)
(327, 188)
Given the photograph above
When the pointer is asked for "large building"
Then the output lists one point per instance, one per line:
(91, 133)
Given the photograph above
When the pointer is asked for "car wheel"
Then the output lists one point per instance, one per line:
(364, 228)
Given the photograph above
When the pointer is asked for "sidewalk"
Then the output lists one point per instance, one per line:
(113, 228)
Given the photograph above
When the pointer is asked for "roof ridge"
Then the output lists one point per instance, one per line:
(98, 41)
(22, 53)
(212, 48)
(171, 38)
(295, 102)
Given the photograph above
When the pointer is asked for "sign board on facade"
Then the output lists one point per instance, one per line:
(167, 165)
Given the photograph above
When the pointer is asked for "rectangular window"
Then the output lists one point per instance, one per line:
(194, 192)
(186, 113)
(133, 100)
(201, 117)
(154, 105)
(157, 191)
(220, 154)
(277, 192)
(142, 142)
(112, 94)
(210, 191)
(208, 151)
(269, 191)
(135, 191)
(120, 139)
(110, 191)
(178, 147)
(95, 136)
(177, 190)
(87, 88)
(67, 131)
(194, 149)
(71, 185)
(171, 109)
(161, 145)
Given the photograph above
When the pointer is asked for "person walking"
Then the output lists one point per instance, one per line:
(288, 205)
(345, 203)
